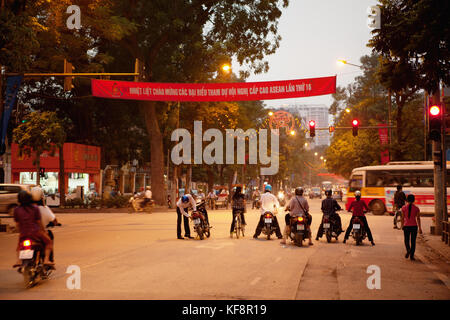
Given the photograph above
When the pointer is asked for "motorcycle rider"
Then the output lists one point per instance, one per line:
(358, 207)
(238, 204)
(329, 207)
(255, 196)
(147, 196)
(182, 209)
(29, 224)
(268, 203)
(399, 202)
(298, 207)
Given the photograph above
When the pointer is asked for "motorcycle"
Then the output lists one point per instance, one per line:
(201, 225)
(299, 230)
(135, 205)
(358, 231)
(330, 228)
(256, 203)
(269, 227)
(32, 255)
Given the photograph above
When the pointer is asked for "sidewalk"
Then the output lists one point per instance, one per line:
(437, 245)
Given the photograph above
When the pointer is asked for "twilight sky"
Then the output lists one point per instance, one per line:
(315, 34)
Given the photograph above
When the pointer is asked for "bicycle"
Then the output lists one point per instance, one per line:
(238, 226)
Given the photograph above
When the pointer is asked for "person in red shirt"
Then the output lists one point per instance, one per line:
(410, 222)
(29, 223)
(359, 207)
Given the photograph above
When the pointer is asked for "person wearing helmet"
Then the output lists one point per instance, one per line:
(29, 224)
(330, 208)
(298, 207)
(359, 208)
(182, 209)
(399, 202)
(268, 203)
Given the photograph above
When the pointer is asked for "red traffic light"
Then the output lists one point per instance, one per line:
(355, 122)
(312, 123)
(435, 110)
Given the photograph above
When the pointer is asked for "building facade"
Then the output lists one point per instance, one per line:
(318, 113)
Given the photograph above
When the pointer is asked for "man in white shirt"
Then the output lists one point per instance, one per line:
(147, 197)
(182, 209)
(268, 203)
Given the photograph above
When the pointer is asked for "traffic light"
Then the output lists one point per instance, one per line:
(68, 68)
(435, 122)
(355, 125)
(312, 128)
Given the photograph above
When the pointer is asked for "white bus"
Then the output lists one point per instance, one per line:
(379, 183)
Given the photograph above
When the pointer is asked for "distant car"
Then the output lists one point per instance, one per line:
(315, 193)
(8, 196)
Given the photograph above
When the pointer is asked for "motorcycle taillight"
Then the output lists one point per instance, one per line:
(26, 243)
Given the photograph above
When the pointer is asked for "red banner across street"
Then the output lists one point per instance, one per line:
(237, 91)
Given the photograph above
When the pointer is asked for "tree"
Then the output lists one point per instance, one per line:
(41, 131)
(414, 41)
(367, 101)
(180, 41)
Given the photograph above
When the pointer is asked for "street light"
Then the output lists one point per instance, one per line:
(342, 62)
(226, 68)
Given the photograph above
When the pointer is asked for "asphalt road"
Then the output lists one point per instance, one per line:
(137, 256)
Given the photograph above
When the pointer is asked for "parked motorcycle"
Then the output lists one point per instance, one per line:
(269, 227)
(299, 230)
(199, 218)
(32, 255)
(330, 227)
(358, 231)
(135, 205)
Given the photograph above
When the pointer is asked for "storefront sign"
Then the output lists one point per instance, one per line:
(213, 91)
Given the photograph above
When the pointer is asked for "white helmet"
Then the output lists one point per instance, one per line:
(37, 193)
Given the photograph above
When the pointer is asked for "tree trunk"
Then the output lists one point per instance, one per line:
(62, 184)
(156, 151)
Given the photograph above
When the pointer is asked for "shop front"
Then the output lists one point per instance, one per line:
(81, 169)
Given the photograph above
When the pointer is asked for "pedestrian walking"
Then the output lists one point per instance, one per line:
(410, 225)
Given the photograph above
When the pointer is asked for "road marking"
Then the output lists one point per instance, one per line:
(255, 281)
(215, 246)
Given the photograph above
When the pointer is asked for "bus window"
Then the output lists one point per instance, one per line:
(355, 183)
(377, 178)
